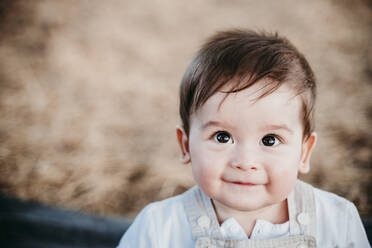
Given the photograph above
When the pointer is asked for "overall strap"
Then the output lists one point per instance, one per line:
(302, 210)
(287, 242)
(201, 214)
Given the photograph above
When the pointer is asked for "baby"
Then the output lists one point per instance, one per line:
(247, 105)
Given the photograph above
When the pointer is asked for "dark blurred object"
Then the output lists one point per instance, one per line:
(33, 225)
(368, 226)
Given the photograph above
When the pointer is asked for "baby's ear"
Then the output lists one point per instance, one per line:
(307, 148)
(183, 142)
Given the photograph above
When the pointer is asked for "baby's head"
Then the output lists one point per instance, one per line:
(246, 104)
(247, 57)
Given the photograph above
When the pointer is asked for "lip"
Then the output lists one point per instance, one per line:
(244, 183)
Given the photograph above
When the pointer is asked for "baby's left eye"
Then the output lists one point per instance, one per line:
(270, 140)
(223, 137)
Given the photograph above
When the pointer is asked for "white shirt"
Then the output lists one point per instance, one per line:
(165, 224)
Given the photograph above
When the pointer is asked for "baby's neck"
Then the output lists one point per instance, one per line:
(276, 214)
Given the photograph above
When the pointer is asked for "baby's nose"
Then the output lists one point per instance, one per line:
(243, 166)
(245, 159)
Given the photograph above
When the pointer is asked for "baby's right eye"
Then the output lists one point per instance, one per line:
(223, 137)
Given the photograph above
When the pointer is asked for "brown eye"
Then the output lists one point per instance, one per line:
(223, 137)
(269, 140)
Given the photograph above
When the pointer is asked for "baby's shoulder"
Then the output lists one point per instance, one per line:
(334, 212)
(159, 224)
(164, 209)
(338, 221)
(329, 201)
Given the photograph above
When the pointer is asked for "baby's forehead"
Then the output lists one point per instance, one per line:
(284, 94)
(235, 105)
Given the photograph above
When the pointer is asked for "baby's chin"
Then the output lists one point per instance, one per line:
(241, 206)
(252, 207)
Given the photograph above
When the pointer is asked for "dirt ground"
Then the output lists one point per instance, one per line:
(88, 94)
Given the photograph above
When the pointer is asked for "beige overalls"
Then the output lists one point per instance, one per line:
(206, 230)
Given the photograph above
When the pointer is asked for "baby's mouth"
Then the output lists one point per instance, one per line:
(244, 183)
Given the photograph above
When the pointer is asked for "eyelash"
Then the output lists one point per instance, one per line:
(280, 140)
(214, 137)
(275, 135)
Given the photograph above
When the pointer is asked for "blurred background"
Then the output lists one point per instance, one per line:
(89, 95)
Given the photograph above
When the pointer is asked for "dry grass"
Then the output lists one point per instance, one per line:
(88, 94)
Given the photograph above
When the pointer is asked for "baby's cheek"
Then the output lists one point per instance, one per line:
(282, 182)
(283, 189)
(207, 173)
(206, 176)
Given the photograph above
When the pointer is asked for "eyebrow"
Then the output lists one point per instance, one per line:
(211, 123)
(268, 127)
(279, 127)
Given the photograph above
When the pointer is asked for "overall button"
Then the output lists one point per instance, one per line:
(303, 218)
(204, 221)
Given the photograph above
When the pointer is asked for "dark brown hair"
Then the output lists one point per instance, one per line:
(246, 57)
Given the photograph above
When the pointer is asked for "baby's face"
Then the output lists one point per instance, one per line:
(246, 154)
